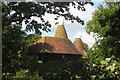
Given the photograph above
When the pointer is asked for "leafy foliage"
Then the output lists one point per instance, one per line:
(55, 70)
(31, 38)
(105, 24)
(11, 47)
(14, 39)
(18, 60)
(105, 69)
(65, 70)
(85, 46)
(104, 55)
(18, 12)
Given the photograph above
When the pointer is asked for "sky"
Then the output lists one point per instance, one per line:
(74, 30)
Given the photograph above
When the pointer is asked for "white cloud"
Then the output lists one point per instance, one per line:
(84, 15)
(80, 29)
(50, 18)
(23, 26)
(86, 38)
(73, 29)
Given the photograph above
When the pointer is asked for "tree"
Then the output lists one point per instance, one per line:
(23, 11)
(14, 13)
(107, 69)
(105, 24)
(104, 55)
(85, 46)
(31, 38)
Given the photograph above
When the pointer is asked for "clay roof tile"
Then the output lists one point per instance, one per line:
(54, 45)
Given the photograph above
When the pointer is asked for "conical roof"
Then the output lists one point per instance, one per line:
(79, 45)
(61, 32)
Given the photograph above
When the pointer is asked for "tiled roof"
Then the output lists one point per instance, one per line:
(53, 45)
(79, 45)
